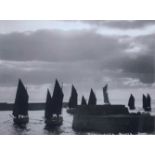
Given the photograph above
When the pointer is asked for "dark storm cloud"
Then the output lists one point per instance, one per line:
(57, 46)
(142, 68)
(122, 24)
(144, 64)
(139, 64)
(37, 72)
(75, 56)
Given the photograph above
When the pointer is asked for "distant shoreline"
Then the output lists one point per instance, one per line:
(32, 106)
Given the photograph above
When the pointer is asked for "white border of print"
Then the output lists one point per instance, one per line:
(77, 10)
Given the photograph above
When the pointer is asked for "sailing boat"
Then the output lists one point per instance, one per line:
(147, 102)
(105, 94)
(53, 107)
(20, 108)
(131, 102)
(92, 98)
(83, 101)
(72, 104)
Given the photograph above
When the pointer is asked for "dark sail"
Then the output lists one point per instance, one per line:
(57, 98)
(21, 101)
(105, 94)
(92, 98)
(48, 106)
(144, 101)
(73, 99)
(131, 102)
(148, 102)
(83, 101)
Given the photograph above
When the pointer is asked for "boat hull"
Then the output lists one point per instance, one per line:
(54, 122)
(21, 121)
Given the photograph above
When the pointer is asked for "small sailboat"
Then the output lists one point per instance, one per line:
(73, 101)
(20, 107)
(131, 102)
(105, 94)
(147, 102)
(53, 107)
(92, 98)
(83, 101)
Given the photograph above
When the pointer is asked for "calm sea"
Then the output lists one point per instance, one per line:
(36, 124)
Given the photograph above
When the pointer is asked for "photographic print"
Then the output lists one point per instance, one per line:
(72, 77)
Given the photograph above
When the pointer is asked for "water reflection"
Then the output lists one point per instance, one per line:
(36, 125)
(20, 129)
(53, 130)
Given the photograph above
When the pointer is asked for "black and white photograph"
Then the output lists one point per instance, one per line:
(77, 77)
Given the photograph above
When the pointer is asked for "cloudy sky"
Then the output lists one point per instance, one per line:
(88, 54)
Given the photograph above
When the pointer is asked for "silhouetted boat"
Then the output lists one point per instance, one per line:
(131, 102)
(73, 101)
(53, 107)
(20, 107)
(83, 101)
(92, 98)
(105, 94)
(147, 102)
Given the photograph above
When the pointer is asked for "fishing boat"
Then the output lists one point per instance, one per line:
(20, 107)
(131, 102)
(53, 107)
(73, 101)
